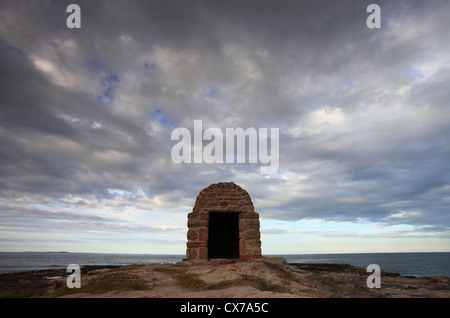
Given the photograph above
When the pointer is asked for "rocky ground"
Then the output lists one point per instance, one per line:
(261, 278)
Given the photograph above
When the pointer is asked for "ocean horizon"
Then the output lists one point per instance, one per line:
(418, 264)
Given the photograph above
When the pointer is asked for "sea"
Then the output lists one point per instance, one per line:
(406, 264)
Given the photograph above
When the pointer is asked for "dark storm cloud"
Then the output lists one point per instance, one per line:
(363, 114)
(30, 123)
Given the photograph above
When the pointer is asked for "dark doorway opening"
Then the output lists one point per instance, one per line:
(223, 237)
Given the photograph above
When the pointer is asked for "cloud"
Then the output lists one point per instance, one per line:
(362, 113)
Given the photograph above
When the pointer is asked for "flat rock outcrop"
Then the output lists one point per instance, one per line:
(259, 278)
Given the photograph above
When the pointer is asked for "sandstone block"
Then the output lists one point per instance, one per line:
(192, 253)
(192, 235)
(197, 244)
(204, 215)
(248, 224)
(203, 233)
(193, 215)
(196, 223)
(203, 253)
(250, 234)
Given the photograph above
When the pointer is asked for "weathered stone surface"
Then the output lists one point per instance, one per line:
(197, 244)
(249, 215)
(223, 197)
(192, 235)
(203, 234)
(253, 243)
(249, 234)
(193, 215)
(204, 215)
(203, 253)
(247, 224)
(225, 278)
(191, 253)
(197, 222)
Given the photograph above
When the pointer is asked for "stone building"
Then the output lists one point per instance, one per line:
(223, 224)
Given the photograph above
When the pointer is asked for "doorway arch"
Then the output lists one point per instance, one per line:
(223, 223)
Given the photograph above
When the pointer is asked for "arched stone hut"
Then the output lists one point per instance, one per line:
(224, 224)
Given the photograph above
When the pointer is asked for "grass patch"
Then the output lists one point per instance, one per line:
(101, 286)
(407, 287)
(186, 280)
(169, 271)
(124, 268)
(193, 282)
(264, 285)
(23, 293)
(97, 287)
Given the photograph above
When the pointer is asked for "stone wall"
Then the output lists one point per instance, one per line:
(223, 197)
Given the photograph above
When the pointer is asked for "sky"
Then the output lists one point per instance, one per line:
(86, 116)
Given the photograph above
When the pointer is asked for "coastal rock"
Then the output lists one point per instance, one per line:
(259, 278)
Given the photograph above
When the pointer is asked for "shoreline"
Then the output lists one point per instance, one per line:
(418, 264)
